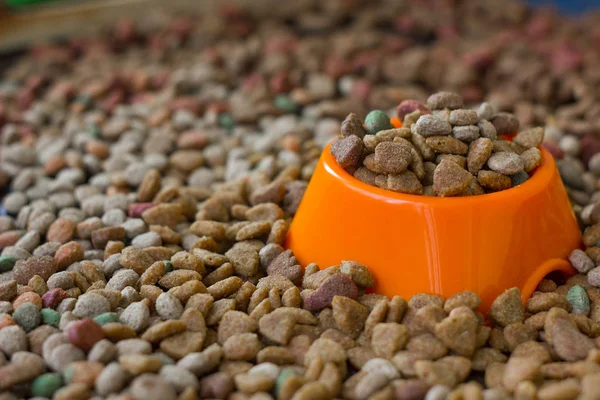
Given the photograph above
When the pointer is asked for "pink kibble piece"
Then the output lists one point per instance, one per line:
(85, 333)
(53, 297)
(336, 285)
(136, 209)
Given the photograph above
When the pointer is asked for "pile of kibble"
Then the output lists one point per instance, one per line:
(440, 150)
(149, 176)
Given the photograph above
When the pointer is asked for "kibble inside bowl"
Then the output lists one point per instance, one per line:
(441, 149)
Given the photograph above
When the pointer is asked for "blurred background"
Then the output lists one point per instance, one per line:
(23, 21)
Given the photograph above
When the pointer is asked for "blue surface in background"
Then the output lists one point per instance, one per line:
(573, 7)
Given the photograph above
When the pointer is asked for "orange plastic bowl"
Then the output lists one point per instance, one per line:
(417, 244)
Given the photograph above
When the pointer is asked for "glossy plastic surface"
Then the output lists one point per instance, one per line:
(417, 244)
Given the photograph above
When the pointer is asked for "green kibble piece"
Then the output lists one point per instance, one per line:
(283, 376)
(285, 104)
(7, 263)
(226, 121)
(28, 316)
(519, 178)
(579, 300)
(168, 266)
(46, 385)
(50, 317)
(106, 318)
(377, 121)
(85, 100)
(68, 374)
(95, 130)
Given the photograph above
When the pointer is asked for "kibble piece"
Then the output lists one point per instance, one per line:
(347, 152)
(447, 145)
(376, 121)
(581, 261)
(493, 181)
(463, 117)
(352, 125)
(568, 342)
(531, 159)
(459, 331)
(506, 163)
(392, 157)
(507, 308)
(349, 315)
(405, 182)
(479, 153)
(579, 301)
(441, 100)
(465, 133)
(450, 179)
(505, 123)
(530, 138)
(429, 125)
(152, 387)
(168, 306)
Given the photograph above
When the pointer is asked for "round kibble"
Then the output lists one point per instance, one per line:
(46, 385)
(376, 121)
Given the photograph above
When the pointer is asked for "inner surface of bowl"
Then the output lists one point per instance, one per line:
(414, 244)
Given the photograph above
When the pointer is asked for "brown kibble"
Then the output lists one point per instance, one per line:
(441, 100)
(335, 285)
(405, 182)
(61, 230)
(507, 308)
(447, 145)
(352, 125)
(479, 152)
(519, 369)
(546, 301)
(137, 364)
(459, 331)
(531, 159)
(100, 237)
(349, 315)
(568, 342)
(433, 373)
(505, 123)
(43, 266)
(135, 259)
(392, 157)
(115, 331)
(466, 299)
(178, 277)
(218, 310)
(157, 332)
(493, 181)
(164, 214)
(450, 179)
(225, 288)
(347, 151)
(529, 138)
(463, 117)
(460, 160)
(388, 338)
(179, 345)
(242, 347)
(285, 264)
(150, 186)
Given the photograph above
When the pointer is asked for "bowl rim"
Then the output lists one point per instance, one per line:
(539, 180)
